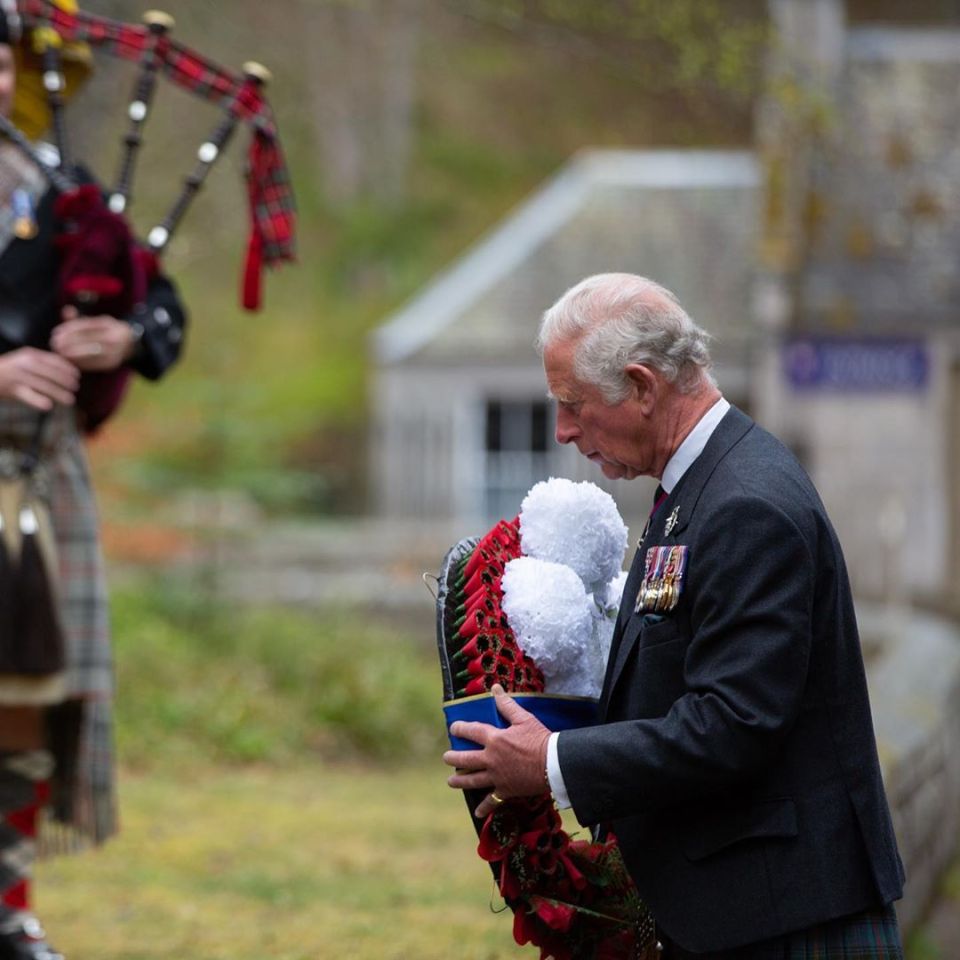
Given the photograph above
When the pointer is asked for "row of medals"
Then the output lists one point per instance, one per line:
(660, 589)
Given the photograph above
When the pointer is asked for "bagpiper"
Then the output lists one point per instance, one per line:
(56, 676)
(83, 305)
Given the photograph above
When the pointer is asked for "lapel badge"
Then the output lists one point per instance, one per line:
(671, 522)
(643, 536)
(663, 572)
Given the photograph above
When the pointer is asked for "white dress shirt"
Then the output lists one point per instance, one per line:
(676, 467)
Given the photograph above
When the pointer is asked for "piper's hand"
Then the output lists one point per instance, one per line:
(513, 761)
(37, 378)
(92, 343)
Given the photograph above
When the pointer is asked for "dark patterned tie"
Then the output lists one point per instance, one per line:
(658, 498)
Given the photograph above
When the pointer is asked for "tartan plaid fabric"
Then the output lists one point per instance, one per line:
(272, 199)
(871, 935)
(272, 206)
(23, 792)
(86, 760)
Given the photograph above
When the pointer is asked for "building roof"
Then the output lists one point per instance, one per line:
(684, 217)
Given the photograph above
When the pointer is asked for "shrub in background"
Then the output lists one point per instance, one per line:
(206, 681)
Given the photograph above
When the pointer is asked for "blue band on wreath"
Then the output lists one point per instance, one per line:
(531, 606)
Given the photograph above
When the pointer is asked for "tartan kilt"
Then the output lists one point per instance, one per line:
(871, 935)
(82, 807)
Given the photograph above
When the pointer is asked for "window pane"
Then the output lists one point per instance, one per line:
(515, 426)
(541, 428)
(493, 425)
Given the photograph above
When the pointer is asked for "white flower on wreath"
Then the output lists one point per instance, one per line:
(576, 524)
(561, 597)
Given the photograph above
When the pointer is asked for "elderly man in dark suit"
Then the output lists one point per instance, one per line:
(735, 761)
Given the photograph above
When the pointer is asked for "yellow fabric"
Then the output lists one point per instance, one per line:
(30, 111)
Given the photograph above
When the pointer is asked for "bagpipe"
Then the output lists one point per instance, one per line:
(105, 268)
(572, 898)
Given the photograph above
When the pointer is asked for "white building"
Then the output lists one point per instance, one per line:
(462, 424)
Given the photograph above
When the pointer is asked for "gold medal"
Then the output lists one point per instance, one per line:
(24, 221)
(24, 229)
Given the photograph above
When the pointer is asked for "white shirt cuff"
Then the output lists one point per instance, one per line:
(557, 787)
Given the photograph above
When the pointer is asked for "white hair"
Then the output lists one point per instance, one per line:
(621, 318)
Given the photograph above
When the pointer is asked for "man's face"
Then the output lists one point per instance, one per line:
(619, 439)
(7, 80)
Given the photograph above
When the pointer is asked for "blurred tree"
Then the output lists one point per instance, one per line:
(361, 66)
(359, 58)
(678, 46)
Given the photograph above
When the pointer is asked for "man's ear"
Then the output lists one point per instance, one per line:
(646, 385)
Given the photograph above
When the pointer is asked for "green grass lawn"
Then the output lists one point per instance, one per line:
(308, 861)
(305, 862)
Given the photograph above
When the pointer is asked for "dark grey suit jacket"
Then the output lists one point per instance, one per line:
(737, 761)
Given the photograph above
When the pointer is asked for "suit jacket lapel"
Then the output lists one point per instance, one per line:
(729, 432)
(683, 499)
(634, 579)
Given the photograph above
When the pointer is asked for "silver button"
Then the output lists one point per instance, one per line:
(158, 237)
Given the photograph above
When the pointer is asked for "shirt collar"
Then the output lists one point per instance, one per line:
(693, 445)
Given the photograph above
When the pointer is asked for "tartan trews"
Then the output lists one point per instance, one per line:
(871, 935)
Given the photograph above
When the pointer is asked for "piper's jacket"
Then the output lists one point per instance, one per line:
(736, 760)
(28, 300)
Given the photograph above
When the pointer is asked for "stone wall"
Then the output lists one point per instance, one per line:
(881, 462)
(884, 230)
(914, 674)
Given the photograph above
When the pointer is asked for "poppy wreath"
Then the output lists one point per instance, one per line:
(571, 898)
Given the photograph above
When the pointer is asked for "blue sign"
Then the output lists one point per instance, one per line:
(874, 365)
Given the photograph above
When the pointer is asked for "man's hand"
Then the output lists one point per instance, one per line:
(92, 343)
(38, 378)
(513, 762)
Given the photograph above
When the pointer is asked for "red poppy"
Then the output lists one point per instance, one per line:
(556, 915)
